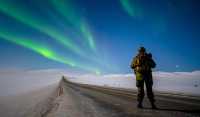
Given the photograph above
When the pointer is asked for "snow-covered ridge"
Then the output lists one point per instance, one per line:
(26, 80)
(182, 82)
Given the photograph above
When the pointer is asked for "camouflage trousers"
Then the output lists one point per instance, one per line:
(148, 81)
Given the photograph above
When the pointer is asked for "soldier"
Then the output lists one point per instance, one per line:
(142, 65)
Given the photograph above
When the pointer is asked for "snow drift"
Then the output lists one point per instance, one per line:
(180, 82)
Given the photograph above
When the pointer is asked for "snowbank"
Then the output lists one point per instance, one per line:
(31, 104)
(20, 81)
(180, 82)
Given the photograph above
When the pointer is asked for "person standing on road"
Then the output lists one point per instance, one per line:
(142, 65)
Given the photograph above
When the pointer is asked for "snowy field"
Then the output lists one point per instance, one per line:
(175, 82)
(21, 81)
(29, 92)
(15, 82)
(30, 104)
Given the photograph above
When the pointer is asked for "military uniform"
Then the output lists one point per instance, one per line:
(142, 65)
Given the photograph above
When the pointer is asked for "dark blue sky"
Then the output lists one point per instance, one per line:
(169, 29)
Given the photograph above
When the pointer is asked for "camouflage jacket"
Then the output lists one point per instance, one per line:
(142, 63)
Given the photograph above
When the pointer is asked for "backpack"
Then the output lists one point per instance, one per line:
(141, 64)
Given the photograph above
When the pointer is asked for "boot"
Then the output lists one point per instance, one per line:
(153, 106)
(139, 105)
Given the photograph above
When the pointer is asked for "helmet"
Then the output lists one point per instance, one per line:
(142, 49)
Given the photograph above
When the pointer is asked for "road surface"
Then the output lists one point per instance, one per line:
(84, 101)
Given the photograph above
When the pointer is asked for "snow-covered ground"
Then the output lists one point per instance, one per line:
(30, 104)
(20, 81)
(26, 92)
(180, 82)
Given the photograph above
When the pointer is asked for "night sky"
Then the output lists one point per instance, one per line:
(99, 36)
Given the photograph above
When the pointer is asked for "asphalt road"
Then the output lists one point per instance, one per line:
(86, 101)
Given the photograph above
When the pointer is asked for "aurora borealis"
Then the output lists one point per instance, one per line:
(99, 36)
(66, 9)
(45, 51)
(131, 7)
(23, 16)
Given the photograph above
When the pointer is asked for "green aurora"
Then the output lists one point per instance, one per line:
(44, 51)
(131, 7)
(19, 14)
(66, 9)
